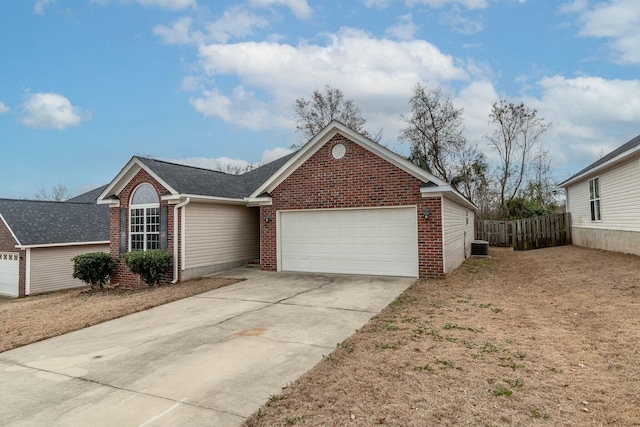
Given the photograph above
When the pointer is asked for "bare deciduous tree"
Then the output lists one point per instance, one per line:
(519, 130)
(434, 130)
(314, 114)
(471, 176)
(58, 193)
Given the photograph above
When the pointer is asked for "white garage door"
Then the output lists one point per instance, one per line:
(9, 268)
(352, 241)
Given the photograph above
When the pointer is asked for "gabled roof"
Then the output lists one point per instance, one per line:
(183, 180)
(432, 184)
(617, 155)
(37, 223)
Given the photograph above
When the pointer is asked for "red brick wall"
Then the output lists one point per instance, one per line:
(359, 179)
(122, 275)
(8, 244)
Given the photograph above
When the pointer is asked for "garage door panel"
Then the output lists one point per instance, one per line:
(9, 272)
(354, 241)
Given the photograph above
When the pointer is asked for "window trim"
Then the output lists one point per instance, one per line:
(595, 199)
(147, 214)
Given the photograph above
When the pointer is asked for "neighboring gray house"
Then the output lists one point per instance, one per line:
(39, 238)
(604, 201)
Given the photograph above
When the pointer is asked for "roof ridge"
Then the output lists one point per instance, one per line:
(65, 202)
(183, 165)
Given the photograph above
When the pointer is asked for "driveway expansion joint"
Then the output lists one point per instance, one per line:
(103, 384)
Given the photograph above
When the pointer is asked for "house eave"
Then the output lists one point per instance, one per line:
(206, 199)
(450, 193)
(258, 201)
(52, 245)
(597, 169)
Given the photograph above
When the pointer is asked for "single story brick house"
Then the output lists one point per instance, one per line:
(604, 201)
(340, 204)
(39, 238)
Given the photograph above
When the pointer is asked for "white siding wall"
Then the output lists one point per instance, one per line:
(52, 268)
(220, 234)
(619, 199)
(458, 234)
(578, 204)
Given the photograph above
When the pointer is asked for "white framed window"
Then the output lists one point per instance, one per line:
(144, 219)
(594, 198)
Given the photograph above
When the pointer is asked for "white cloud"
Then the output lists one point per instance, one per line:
(234, 22)
(592, 100)
(178, 33)
(617, 20)
(190, 84)
(300, 8)
(169, 4)
(469, 4)
(377, 73)
(3, 108)
(50, 110)
(274, 154)
(405, 29)
(476, 99)
(241, 108)
(161, 4)
(588, 115)
(378, 4)
(460, 23)
(38, 7)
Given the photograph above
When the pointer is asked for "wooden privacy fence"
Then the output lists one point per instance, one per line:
(497, 233)
(529, 233)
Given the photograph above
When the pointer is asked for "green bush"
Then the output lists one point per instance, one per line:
(94, 269)
(150, 265)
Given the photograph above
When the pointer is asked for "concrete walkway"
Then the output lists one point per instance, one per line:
(211, 359)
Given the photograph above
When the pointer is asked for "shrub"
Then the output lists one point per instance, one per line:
(150, 265)
(94, 269)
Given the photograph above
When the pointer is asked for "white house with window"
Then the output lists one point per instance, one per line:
(604, 201)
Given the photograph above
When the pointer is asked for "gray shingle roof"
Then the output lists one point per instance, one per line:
(206, 182)
(255, 178)
(36, 222)
(625, 147)
(89, 196)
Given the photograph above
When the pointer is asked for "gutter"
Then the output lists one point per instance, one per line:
(175, 238)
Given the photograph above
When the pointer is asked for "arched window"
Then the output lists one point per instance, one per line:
(144, 219)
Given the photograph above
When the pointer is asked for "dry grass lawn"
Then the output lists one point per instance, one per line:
(548, 337)
(27, 320)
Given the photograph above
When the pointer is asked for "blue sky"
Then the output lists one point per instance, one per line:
(86, 84)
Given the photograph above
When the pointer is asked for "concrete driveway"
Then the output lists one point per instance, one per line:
(211, 359)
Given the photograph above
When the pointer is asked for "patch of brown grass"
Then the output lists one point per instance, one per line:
(547, 337)
(34, 318)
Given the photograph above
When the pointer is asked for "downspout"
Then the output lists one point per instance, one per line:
(175, 237)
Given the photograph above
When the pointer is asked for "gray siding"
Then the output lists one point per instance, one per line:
(52, 268)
